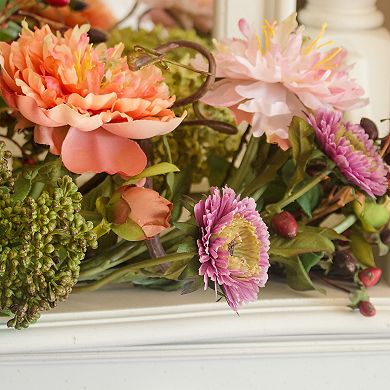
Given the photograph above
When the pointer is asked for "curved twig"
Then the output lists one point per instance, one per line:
(162, 50)
(219, 126)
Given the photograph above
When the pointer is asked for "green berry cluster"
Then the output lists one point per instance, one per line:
(42, 242)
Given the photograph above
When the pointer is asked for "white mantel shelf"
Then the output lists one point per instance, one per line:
(161, 340)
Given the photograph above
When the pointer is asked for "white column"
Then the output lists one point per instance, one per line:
(357, 25)
(228, 12)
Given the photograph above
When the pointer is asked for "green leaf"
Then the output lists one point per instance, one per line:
(188, 245)
(309, 260)
(3, 3)
(103, 228)
(218, 167)
(22, 188)
(181, 186)
(308, 240)
(275, 162)
(310, 200)
(188, 228)
(10, 32)
(154, 170)
(129, 231)
(296, 275)
(361, 249)
(104, 189)
(301, 137)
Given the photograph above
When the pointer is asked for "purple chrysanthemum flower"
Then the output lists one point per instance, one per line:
(234, 245)
(354, 153)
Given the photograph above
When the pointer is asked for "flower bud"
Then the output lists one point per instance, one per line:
(141, 206)
(370, 276)
(367, 309)
(285, 225)
(370, 128)
(57, 3)
(385, 236)
(343, 264)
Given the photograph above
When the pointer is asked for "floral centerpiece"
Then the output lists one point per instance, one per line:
(111, 140)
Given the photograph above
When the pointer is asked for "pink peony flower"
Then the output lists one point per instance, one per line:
(83, 100)
(354, 153)
(152, 219)
(268, 81)
(191, 13)
(234, 244)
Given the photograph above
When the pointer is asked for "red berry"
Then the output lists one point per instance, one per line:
(29, 161)
(57, 3)
(367, 309)
(370, 276)
(285, 225)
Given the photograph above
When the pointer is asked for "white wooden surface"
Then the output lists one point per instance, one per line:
(132, 337)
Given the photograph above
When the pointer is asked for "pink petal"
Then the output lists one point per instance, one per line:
(223, 94)
(67, 115)
(142, 129)
(101, 151)
(52, 136)
(35, 114)
(92, 101)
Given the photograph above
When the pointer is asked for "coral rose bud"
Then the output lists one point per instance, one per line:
(145, 207)
(285, 225)
(57, 3)
(370, 128)
(367, 309)
(370, 276)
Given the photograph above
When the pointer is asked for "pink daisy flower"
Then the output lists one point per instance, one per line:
(354, 153)
(234, 244)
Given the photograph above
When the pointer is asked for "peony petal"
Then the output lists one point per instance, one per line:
(67, 115)
(52, 136)
(142, 129)
(92, 102)
(35, 114)
(101, 151)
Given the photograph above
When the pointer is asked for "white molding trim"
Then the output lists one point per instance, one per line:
(143, 324)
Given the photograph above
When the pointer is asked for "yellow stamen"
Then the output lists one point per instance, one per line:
(329, 57)
(313, 44)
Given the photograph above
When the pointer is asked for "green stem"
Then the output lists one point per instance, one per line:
(345, 224)
(312, 183)
(241, 173)
(122, 252)
(117, 274)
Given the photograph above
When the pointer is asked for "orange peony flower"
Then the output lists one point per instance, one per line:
(152, 219)
(97, 14)
(84, 101)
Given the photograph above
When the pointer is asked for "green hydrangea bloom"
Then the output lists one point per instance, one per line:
(190, 145)
(42, 242)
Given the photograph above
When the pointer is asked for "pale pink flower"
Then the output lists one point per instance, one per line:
(233, 247)
(268, 81)
(84, 101)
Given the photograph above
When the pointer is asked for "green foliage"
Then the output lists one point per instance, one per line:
(42, 241)
(190, 146)
(301, 137)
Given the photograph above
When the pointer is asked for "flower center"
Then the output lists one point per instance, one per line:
(243, 246)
